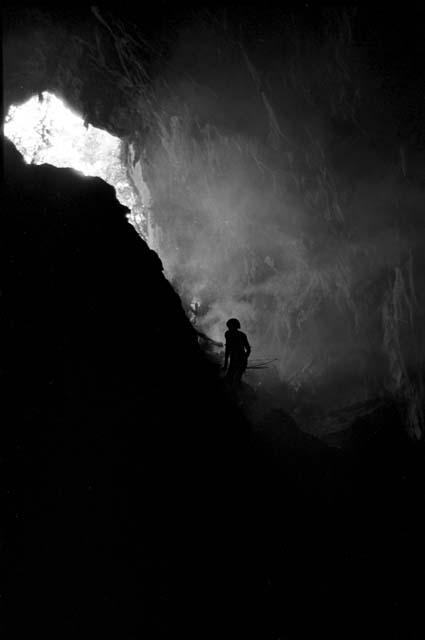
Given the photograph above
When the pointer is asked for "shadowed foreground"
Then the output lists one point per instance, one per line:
(140, 501)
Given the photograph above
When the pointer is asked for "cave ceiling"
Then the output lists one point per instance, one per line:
(76, 57)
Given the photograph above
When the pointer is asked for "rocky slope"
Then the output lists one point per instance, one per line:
(140, 503)
(125, 454)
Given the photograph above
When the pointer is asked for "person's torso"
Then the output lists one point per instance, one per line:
(236, 342)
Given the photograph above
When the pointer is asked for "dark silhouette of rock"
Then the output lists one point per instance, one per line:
(126, 456)
(139, 504)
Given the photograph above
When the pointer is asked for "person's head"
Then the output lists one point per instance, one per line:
(233, 324)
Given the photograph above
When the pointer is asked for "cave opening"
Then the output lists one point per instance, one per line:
(46, 131)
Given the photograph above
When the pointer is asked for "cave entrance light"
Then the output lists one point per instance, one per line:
(46, 131)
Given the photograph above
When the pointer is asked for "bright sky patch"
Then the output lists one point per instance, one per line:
(45, 131)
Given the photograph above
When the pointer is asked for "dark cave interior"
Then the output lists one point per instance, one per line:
(141, 498)
(283, 164)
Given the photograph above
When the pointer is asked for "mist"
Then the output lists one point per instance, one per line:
(284, 193)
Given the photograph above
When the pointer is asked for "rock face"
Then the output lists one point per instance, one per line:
(140, 507)
(124, 450)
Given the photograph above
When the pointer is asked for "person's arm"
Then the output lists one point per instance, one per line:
(247, 347)
(226, 354)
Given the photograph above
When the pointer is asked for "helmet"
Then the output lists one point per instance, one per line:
(233, 323)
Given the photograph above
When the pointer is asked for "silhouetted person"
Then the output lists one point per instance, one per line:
(237, 352)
